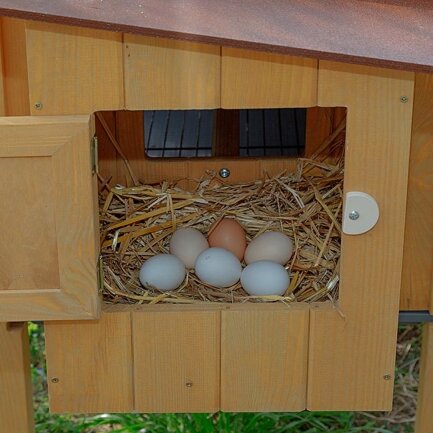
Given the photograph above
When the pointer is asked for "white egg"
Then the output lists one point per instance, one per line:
(265, 278)
(218, 267)
(163, 272)
(274, 246)
(187, 244)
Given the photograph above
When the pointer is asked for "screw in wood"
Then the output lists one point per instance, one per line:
(387, 377)
(224, 173)
(38, 105)
(404, 99)
(188, 384)
(55, 380)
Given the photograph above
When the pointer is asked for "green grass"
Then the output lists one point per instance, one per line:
(305, 422)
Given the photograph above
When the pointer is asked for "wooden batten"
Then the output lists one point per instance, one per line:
(16, 87)
(264, 358)
(357, 374)
(252, 79)
(417, 278)
(73, 70)
(16, 403)
(90, 365)
(2, 78)
(177, 360)
(170, 74)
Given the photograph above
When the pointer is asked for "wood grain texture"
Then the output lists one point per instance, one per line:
(371, 32)
(417, 279)
(423, 423)
(363, 328)
(16, 87)
(176, 361)
(252, 79)
(2, 84)
(170, 74)
(73, 70)
(50, 248)
(264, 358)
(91, 364)
(16, 403)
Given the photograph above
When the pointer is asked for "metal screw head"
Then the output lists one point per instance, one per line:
(224, 173)
(387, 376)
(38, 105)
(55, 380)
(404, 99)
(353, 215)
(188, 384)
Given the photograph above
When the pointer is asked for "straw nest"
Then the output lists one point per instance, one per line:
(137, 223)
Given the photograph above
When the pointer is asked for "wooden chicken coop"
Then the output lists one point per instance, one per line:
(71, 70)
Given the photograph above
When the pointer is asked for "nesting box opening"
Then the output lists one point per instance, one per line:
(293, 184)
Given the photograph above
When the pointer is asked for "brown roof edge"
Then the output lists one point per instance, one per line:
(386, 33)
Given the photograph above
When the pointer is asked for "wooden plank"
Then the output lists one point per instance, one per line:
(379, 32)
(251, 79)
(16, 87)
(2, 84)
(354, 374)
(50, 239)
(73, 70)
(417, 278)
(170, 74)
(423, 423)
(264, 359)
(90, 365)
(16, 403)
(176, 361)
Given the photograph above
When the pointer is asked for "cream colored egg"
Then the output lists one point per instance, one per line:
(264, 278)
(274, 246)
(187, 244)
(164, 272)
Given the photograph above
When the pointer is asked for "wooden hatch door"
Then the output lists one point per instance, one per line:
(48, 219)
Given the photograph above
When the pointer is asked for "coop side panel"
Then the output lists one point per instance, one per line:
(253, 79)
(90, 365)
(352, 346)
(417, 279)
(16, 405)
(2, 78)
(73, 70)
(264, 358)
(170, 74)
(176, 360)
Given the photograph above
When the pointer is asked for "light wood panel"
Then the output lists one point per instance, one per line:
(176, 361)
(264, 358)
(170, 74)
(73, 70)
(417, 276)
(352, 348)
(424, 413)
(2, 88)
(16, 404)
(90, 365)
(50, 235)
(16, 87)
(254, 79)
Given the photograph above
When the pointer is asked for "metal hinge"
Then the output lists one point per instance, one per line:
(94, 154)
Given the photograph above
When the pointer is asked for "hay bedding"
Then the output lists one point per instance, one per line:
(137, 223)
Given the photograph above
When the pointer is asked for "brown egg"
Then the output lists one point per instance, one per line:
(228, 234)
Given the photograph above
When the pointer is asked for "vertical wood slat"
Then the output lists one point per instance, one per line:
(417, 278)
(16, 404)
(2, 79)
(424, 418)
(90, 365)
(73, 70)
(353, 375)
(16, 87)
(252, 79)
(170, 74)
(264, 358)
(176, 361)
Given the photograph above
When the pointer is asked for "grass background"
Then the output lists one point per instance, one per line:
(400, 420)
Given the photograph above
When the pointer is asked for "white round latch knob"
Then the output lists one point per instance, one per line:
(361, 213)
